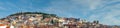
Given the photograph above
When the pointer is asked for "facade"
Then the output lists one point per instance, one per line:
(41, 21)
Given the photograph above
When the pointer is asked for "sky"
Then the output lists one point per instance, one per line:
(105, 11)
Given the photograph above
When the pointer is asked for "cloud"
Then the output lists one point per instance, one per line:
(111, 17)
(107, 14)
(102, 10)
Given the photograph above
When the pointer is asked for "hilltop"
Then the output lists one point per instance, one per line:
(45, 20)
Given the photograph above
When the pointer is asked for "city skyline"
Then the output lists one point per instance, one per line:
(106, 11)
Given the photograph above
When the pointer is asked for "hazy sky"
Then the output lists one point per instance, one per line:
(106, 11)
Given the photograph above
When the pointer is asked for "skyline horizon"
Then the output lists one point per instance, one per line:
(65, 17)
(106, 11)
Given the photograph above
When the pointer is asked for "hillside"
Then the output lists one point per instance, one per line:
(44, 20)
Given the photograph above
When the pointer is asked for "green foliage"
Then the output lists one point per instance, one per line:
(45, 15)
